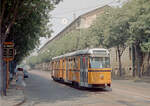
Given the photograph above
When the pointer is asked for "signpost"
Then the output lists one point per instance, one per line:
(8, 55)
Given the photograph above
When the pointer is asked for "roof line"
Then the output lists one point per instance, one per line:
(71, 24)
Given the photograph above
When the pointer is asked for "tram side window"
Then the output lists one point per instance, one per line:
(54, 66)
(107, 62)
(57, 65)
(67, 63)
(63, 65)
(71, 64)
(75, 63)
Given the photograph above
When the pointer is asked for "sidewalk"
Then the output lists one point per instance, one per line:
(14, 97)
(144, 79)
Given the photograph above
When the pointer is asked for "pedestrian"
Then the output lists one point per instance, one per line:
(20, 83)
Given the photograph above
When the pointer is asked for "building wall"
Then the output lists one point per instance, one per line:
(87, 20)
(126, 62)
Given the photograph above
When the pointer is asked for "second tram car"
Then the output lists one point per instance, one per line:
(84, 68)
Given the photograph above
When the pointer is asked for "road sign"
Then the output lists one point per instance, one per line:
(8, 55)
(8, 51)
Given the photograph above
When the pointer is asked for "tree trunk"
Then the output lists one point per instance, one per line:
(120, 66)
(133, 61)
(148, 58)
(119, 61)
(139, 60)
(1, 70)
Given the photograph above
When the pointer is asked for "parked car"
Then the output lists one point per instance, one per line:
(26, 74)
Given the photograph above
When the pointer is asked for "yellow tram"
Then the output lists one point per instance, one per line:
(85, 68)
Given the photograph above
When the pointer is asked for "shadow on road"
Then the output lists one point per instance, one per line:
(84, 89)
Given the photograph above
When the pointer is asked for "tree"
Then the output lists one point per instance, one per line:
(138, 12)
(111, 28)
(15, 19)
(87, 39)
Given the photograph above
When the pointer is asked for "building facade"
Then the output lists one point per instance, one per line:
(83, 21)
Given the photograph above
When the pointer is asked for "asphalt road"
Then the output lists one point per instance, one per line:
(41, 90)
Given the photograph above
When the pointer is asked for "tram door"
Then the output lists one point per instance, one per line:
(83, 71)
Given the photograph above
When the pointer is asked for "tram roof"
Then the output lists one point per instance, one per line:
(80, 52)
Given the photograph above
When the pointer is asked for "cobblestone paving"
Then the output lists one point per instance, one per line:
(41, 90)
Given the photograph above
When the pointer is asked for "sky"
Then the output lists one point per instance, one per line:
(68, 10)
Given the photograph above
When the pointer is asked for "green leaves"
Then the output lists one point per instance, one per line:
(31, 23)
(146, 46)
(129, 24)
(111, 27)
(139, 22)
(72, 41)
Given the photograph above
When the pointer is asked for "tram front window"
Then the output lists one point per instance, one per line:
(99, 62)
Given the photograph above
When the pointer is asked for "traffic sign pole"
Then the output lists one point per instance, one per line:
(7, 77)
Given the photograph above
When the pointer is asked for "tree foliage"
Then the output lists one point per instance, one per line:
(24, 22)
(138, 12)
(111, 29)
(72, 41)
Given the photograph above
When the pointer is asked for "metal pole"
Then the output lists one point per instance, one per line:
(4, 77)
(7, 77)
